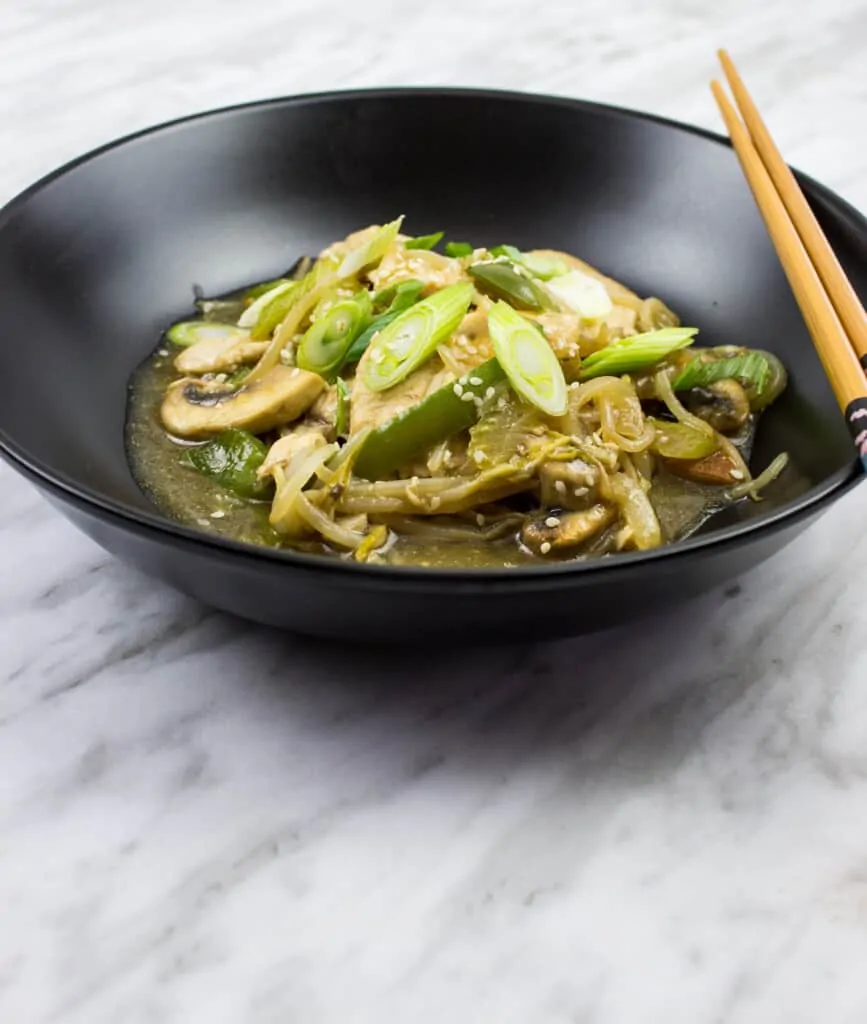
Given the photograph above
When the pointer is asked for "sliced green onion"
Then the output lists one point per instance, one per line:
(502, 280)
(257, 290)
(360, 345)
(233, 459)
(439, 416)
(189, 332)
(458, 249)
(371, 251)
(270, 309)
(252, 314)
(582, 294)
(398, 297)
(413, 336)
(639, 352)
(543, 267)
(423, 241)
(528, 360)
(341, 419)
(326, 342)
(750, 368)
(406, 294)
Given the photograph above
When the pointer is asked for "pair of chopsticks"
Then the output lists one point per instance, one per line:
(833, 312)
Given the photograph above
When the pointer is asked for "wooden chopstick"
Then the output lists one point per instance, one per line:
(836, 352)
(839, 289)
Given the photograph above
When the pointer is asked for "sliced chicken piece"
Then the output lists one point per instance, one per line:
(470, 345)
(373, 408)
(401, 264)
(216, 355)
(285, 449)
(196, 409)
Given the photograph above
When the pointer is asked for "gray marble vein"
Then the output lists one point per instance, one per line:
(203, 820)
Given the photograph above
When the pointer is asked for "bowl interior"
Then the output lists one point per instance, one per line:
(99, 259)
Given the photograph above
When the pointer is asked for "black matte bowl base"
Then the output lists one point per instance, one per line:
(97, 259)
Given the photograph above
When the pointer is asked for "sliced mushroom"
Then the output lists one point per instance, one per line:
(724, 405)
(569, 530)
(214, 355)
(197, 408)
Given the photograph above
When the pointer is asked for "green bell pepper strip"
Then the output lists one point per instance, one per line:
(458, 249)
(232, 460)
(439, 416)
(503, 281)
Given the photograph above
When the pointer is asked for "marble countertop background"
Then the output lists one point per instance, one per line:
(205, 821)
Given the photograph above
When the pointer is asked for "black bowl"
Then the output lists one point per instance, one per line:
(97, 259)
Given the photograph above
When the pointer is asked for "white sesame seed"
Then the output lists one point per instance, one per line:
(435, 502)
(545, 547)
(468, 396)
(663, 438)
(476, 381)
(478, 458)
(552, 521)
(559, 487)
(736, 474)
(162, 352)
(579, 492)
(480, 519)
(490, 392)
(218, 514)
(501, 403)
(477, 402)
(203, 522)
(458, 390)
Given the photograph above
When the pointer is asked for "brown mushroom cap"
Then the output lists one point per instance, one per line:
(198, 409)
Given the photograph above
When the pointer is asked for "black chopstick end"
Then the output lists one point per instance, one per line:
(856, 420)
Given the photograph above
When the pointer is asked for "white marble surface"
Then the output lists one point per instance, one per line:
(204, 821)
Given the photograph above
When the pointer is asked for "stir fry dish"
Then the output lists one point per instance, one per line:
(403, 400)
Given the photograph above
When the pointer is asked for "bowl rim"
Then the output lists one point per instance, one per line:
(813, 500)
